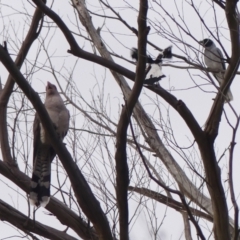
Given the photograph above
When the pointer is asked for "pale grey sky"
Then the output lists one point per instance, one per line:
(86, 76)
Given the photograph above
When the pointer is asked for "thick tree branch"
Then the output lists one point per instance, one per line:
(24, 223)
(6, 92)
(121, 138)
(231, 182)
(83, 193)
(213, 173)
(220, 3)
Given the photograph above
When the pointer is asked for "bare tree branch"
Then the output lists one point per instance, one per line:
(170, 202)
(76, 50)
(121, 154)
(32, 35)
(16, 218)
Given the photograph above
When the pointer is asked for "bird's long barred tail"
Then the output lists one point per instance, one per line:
(41, 177)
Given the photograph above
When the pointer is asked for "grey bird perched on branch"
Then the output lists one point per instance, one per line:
(43, 152)
(154, 67)
(213, 59)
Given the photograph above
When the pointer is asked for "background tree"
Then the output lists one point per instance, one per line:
(134, 153)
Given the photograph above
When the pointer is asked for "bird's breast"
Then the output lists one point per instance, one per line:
(211, 60)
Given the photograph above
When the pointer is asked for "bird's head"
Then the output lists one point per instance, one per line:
(167, 52)
(206, 42)
(134, 54)
(51, 89)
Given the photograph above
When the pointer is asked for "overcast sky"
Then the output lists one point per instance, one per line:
(190, 86)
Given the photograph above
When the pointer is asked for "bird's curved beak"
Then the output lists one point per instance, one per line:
(49, 85)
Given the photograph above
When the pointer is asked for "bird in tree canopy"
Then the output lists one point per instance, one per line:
(154, 67)
(213, 59)
(43, 152)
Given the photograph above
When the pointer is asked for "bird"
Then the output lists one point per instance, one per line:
(43, 152)
(213, 59)
(153, 71)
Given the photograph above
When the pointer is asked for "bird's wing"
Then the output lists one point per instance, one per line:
(36, 135)
(67, 122)
(220, 55)
(37, 140)
(229, 96)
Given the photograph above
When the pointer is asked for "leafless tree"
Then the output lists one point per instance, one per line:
(134, 152)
